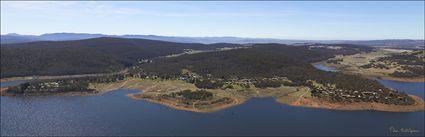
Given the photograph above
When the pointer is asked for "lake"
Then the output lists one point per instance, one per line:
(324, 68)
(115, 114)
(12, 83)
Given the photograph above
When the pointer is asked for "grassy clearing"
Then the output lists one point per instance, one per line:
(351, 63)
(147, 85)
(292, 97)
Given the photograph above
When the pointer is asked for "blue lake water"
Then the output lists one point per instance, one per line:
(115, 114)
(415, 88)
(324, 68)
(11, 83)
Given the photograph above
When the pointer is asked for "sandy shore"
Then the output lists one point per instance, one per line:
(3, 91)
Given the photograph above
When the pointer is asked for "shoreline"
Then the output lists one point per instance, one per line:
(300, 98)
(46, 77)
(173, 105)
(3, 92)
(307, 103)
(402, 79)
(359, 106)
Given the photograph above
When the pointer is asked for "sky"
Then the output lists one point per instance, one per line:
(330, 20)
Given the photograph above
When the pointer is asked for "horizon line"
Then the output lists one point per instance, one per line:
(274, 38)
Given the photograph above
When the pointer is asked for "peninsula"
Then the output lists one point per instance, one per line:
(212, 81)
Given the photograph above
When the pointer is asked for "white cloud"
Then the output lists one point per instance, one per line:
(35, 5)
(109, 9)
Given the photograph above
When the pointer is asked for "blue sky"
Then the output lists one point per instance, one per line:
(285, 20)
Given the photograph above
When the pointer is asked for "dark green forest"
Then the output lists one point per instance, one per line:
(98, 55)
(260, 61)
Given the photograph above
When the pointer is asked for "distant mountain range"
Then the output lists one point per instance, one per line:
(397, 43)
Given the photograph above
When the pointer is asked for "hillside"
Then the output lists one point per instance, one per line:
(96, 55)
(271, 65)
(15, 38)
(260, 61)
(261, 68)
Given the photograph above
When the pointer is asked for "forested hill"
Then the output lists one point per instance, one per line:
(271, 65)
(96, 55)
(260, 61)
(263, 60)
